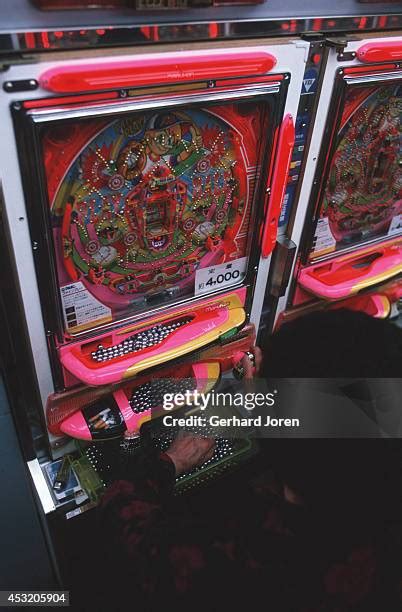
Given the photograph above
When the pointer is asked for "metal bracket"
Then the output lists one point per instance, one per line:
(346, 57)
(20, 85)
(339, 44)
(311, 36)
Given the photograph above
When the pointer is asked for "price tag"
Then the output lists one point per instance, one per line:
(81, 307)
(220, 276)
(324, 242)
(396, 226)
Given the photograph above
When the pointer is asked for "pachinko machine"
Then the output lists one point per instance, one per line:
(350, 210)
(148, 206)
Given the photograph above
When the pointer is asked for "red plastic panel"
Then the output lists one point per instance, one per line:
(45, 102)
(359, 70)
(383, 51)
(153, 71)
(279, 181)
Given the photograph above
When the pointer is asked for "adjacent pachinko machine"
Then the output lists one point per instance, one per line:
(349, 217)
(173, 185)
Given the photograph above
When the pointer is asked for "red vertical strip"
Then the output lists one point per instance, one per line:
(146, 31)
(382, 21)
(362, 23)
(317, 25)
(45, 40)
(213, 30)
(30, 40)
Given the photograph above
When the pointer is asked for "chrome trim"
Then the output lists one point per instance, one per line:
(110, 108)
(372, 78)
(41, 486)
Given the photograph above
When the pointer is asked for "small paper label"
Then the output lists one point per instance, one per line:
(220, 276)
(396, 226)
(324, 242)
(81, 308)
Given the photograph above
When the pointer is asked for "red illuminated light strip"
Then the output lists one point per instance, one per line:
(45, 40)
(382, 21)
(363, 23)
(30, 40)
(155, 71)
(358, 70)
(380, 51)
(286, 141)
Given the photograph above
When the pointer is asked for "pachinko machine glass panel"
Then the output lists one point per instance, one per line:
(139, 205)
(149, 208)
(362, 200)
(355, 240)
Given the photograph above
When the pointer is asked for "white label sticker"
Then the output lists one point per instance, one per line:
(324, 242)
(396, 225)
(80, 307)
(220, 276)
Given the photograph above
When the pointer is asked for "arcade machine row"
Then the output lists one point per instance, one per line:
(349, 219)
(143, 193)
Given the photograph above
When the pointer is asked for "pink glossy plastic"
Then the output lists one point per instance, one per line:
(172, 68)
(348, 274)
(380, 51)
(373, 304)
(209, 320)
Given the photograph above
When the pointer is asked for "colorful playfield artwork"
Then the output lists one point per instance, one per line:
(363, 195)
(141, 202)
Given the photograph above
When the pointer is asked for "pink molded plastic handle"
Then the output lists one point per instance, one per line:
(347, 275)
(286, 143)
(155, 71)
(383, 51)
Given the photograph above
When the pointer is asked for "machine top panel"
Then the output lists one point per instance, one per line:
(67, 29)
